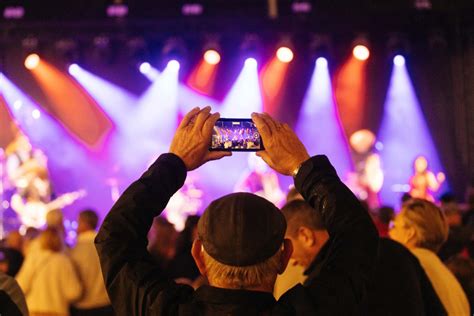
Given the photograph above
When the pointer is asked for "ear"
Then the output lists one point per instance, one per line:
(411, 235)
(306, 235)
(196, 252)
(285, 255)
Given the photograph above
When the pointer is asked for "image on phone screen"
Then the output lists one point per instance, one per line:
(232, 134)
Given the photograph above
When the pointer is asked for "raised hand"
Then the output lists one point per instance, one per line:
(283, 152)
(193, 136)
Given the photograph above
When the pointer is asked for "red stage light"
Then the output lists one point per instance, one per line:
(361, 52)
(32, 61)
(284, 54)
(212, 57)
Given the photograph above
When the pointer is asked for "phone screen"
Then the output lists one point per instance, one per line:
(232, 134)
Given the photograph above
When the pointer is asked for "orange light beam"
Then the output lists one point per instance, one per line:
(72, 106)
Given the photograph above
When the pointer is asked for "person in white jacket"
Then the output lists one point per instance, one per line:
(48, 277)
(422, 228)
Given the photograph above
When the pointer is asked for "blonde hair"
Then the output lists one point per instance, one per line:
(234, 277)
(51, 239)
(429, 222)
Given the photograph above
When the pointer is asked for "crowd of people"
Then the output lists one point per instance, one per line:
(324, 252)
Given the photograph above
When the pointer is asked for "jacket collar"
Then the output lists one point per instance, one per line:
(315, 267)
(215, 295)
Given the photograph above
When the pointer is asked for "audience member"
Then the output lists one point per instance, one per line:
(382, 220)
(14, 240)
(48, 277)
(459, 236)
(463, 269)
(10, 261)
(162, 243)
(183, 264)
(422, 228)
(12, 300)
(94, 300)
(398, 277)
(241, 246)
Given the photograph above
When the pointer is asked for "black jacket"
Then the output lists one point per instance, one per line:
(137, 287)
(398, 285)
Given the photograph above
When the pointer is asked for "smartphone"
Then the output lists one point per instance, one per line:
(235, 134)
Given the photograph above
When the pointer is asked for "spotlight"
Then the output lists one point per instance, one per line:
(361, 52)
(321, 62)
(73, 69)
(32, 61)
(399, 60)
(36, 114)
(284, 54)
(17, 104)
(212, 57)
(251, 62)
(145, 68)
(173, 65)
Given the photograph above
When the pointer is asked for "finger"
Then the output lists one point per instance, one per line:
(209, 124)
(215, 155)
(201, 118)
(262, 126)
(273, 124)
(188, 117)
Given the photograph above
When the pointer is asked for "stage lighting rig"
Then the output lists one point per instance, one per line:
(173, 49)
(117, 9)
(361, 48)
(251, 46)
(320, 46)
(397, 45)
(68, 50)
(301, 6)
(192, 9)
(13, 12)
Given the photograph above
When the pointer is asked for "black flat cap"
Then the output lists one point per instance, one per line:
(241, 229)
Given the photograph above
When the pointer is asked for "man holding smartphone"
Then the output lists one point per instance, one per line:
(241, 246)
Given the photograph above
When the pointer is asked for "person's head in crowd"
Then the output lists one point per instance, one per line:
(452, 214)
(241, 243)
(51, 239)
(10, 261)
(405, 197)
(188, 235)
(87, 221)
(420, 164)
(14, 240)
(386, 214)
(162, 240)
(420, 224)
(306, 231)
(382, 219)
(55, 219)
(293, 194)
(3, 261)
(31, 234)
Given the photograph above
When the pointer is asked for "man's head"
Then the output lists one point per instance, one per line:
(87, 221)
(305, 230)
(241, 243)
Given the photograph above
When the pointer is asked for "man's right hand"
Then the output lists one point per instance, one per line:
(283, 152)
(193, 137)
